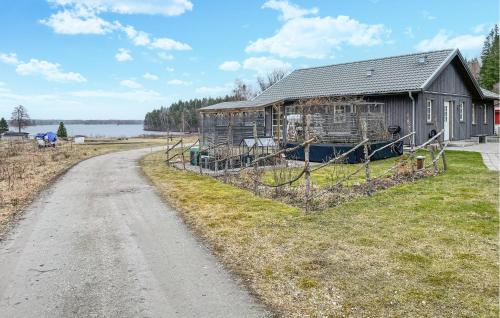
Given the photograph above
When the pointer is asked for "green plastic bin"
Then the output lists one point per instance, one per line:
(193, 155)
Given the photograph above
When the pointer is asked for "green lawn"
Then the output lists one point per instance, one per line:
(426, 249)
(331, 174)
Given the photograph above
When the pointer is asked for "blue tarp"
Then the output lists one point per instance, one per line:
(49, 136)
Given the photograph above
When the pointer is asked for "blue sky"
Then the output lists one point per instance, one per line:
(118, 59)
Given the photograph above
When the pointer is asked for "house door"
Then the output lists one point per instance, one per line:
(446, 120)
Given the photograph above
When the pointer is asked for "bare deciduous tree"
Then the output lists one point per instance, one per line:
(270, 78)
(20, 117)
(242, 91)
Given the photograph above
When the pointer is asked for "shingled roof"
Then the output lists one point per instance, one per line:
(489, 94)
(396, 74)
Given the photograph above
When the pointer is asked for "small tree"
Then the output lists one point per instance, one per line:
(4, 126)
(61, 131)
(20, 117)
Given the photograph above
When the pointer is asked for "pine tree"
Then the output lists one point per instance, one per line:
(490, 57)
(61, 131)
(4, 126)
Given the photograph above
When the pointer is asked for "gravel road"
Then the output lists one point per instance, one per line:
(101, 243)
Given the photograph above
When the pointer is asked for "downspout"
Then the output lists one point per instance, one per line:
(413, 118)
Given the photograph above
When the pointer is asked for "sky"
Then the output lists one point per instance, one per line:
(118, 59)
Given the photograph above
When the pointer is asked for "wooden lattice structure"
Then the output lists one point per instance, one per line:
(219, 127)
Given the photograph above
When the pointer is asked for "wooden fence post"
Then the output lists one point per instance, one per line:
(433, 158)
(182, 154)
(168, 153)
(228, 146)
(199, 151)
(445, 162)
(307, 167)
(255, 166)
(364, 131)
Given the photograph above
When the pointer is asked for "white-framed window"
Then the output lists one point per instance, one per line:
(461, 111)
(473, 114)
(429, 110)
(485, 114)
(339, 114)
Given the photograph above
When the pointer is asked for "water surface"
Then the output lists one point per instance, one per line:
(94, 130)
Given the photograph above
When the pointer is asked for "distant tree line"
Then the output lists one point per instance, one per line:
(34, 122)
(183, 115)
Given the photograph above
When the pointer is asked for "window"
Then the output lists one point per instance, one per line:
(277, 122)
(429, 110)
(485, 114)
(461, 111)
(473, 114)
(339, 114)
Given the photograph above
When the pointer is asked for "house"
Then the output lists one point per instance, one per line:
(429, 91)
(12, 135)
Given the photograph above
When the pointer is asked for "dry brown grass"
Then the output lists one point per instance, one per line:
(25, 170)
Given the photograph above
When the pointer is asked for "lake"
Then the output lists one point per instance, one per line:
(93, 130)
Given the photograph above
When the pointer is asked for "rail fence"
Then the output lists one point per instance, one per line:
(272, 175)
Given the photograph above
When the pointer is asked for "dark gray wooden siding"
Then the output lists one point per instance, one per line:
(480, 128)
(454, 86)
(397, 109)
(452, 80)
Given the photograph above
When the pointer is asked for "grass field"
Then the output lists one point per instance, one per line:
(422, 249)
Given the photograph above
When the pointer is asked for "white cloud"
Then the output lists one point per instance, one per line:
(170, 69)
(150, 77)
(80, 20)
(10, 58)
(480, 28)
(214, 90)
(169, 44)
(123, 55)
(317, 37)
(162, 7)
(288, 10)
(178, 82)
(130, 84)
(444, 40)
(83, 17)
(230, 66)
(139, 38)
(264, 64)
(50, 71)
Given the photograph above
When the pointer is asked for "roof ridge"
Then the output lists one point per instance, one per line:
(374, 59)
